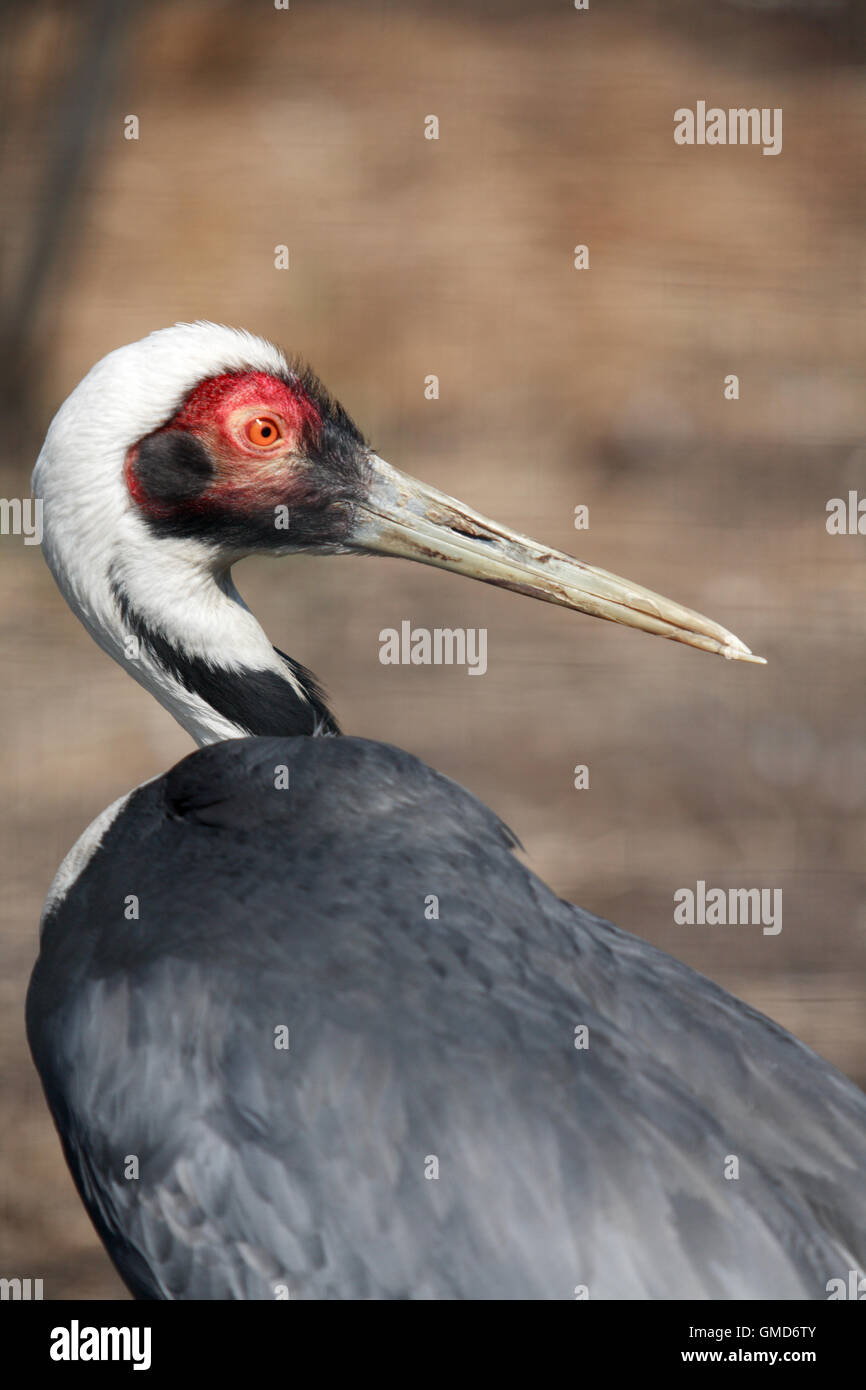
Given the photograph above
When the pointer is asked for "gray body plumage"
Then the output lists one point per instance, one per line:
(263, 1170)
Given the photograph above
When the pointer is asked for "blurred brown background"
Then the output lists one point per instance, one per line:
(558, 387)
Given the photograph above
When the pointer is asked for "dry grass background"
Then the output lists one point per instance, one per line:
(604, 387)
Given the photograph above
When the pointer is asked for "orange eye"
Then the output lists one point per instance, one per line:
(263, 431)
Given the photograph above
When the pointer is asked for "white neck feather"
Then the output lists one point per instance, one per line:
(95, 540)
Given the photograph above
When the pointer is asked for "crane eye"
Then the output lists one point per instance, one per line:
(263, 431)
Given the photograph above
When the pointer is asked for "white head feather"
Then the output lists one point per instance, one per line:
(92, 530)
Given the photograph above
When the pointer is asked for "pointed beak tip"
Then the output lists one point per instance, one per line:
(742, 653)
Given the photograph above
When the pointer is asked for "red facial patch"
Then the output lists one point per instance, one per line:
(211, 403)
(249, 468)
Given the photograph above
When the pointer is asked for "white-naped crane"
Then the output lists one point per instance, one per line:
(276, 1077)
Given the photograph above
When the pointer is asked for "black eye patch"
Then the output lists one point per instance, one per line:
(173, 466)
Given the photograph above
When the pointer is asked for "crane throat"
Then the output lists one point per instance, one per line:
(283, 699)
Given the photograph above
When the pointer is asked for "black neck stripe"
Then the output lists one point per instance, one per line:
(259, 702)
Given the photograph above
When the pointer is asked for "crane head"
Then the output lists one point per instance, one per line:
(181, 453)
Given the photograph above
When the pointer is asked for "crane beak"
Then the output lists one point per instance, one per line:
(401, 516)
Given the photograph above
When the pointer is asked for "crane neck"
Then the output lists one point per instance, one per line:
(217, 674)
